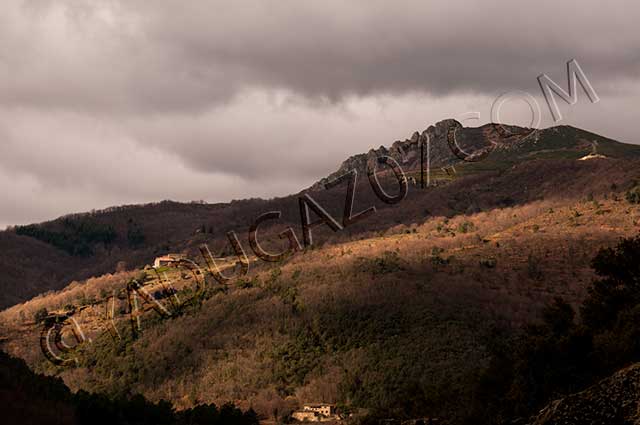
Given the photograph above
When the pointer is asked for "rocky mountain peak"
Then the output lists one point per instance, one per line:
(503, 144)
(407, 152)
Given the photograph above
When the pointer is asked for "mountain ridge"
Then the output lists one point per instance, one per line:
(172, 226)
(488, 139)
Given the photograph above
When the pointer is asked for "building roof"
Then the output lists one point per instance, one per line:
(171, 257)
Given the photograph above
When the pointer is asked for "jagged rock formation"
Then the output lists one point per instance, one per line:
(612, 401)
(497, 144)
(406, 152)
(440, 153)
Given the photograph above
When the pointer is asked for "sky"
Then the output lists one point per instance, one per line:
(112, 102)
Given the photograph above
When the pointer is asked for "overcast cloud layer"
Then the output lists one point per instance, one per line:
(112, 102)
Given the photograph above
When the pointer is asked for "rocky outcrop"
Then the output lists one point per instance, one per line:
(406, 152)
(440, 154)
(612, 401)
(498, 145)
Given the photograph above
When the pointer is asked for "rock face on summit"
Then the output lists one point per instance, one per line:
(437, 150)
(498, 146)
(612, 401)
(406, 152)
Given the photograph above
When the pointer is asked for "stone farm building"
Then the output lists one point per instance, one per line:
(168, 260)
(316, 412)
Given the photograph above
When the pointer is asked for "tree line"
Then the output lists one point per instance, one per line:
(29, 398)
(563, 355)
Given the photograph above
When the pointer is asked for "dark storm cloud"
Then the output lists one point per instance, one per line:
(141, 56)
(372, 47)
(214, 100)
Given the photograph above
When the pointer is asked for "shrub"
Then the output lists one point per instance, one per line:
(245, 283)
(533, 267)
(633, 195)
(40, 315)
(465, 227)
(489, 262)
(389, 262)
(437, 260)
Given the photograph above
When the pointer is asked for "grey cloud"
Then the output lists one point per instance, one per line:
(140, 56)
